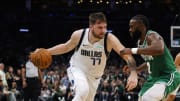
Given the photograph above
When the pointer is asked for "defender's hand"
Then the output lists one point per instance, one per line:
(125, 51)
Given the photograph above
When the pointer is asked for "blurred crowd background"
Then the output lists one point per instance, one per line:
(29, 24)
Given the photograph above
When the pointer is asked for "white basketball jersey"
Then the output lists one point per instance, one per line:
(90, 58)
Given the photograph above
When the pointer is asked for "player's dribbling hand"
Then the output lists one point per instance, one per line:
(125, 51)
(132, 81)
(41, 58)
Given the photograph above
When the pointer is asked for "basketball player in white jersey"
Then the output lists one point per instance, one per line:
(87, 64)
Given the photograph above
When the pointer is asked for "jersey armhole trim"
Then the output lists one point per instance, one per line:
(82, 35)
(105, 44)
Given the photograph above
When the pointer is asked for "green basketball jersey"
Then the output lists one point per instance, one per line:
(162, 65)
(162, 69)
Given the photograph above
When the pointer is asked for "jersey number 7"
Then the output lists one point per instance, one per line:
(96, 61)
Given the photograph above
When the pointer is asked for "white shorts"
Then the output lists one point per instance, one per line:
(82, 81)
(155, 93)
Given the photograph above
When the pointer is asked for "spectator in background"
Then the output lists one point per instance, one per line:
(3, 75)
(64, 80)
(59, 90)
(49, 76)
(2, 95)
(45, 93)
(106, 90)
(18, 80)
(10, 76)
(10, 96)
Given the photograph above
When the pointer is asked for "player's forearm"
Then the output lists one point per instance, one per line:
(131, 63)
(59, 49)
(150, 51)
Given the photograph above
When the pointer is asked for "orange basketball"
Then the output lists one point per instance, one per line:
(41, 58)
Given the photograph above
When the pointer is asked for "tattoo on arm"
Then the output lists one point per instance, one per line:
(131, 64)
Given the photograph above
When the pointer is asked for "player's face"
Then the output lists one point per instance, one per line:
(99, 29)
(133, 29)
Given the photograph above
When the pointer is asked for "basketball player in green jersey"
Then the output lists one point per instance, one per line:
(172, 95)
(163, 78)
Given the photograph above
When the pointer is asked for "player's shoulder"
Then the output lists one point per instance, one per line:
(78, 32)
(153, 35)
(111, 36)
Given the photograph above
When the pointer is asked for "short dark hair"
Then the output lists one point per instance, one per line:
(143, 19)
(99, 16)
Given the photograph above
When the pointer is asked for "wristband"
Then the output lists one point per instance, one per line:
(134, 50)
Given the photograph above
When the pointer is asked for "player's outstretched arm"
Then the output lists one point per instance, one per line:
(114, 43)
(42, 58)
(68, 46)
(155, 46)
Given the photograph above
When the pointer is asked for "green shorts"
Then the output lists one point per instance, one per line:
(172, 81)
